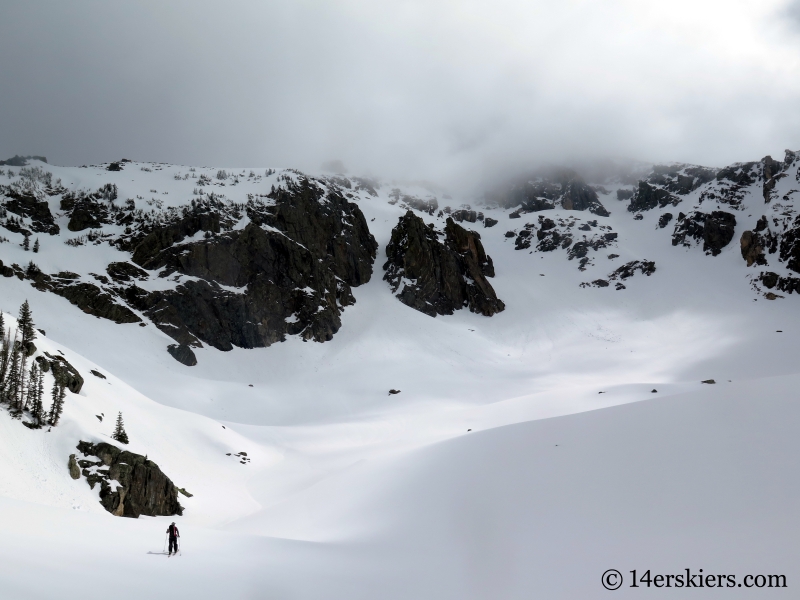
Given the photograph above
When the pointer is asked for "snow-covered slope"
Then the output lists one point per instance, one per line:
(492, 474)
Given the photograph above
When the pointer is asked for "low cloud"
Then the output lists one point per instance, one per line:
(454, 92)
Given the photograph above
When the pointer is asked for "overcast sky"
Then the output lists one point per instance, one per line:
(436, 89)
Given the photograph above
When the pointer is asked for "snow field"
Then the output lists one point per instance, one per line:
(352, 493)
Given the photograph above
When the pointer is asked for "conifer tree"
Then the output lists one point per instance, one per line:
(27, 243)
(119, 431)
(36, 245)
(12, 387)
(58, 395)
(28, 333)
(25, 323)
(37, 404)
(33, 384)
(5, 357)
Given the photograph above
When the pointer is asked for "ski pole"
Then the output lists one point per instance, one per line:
(165, 543)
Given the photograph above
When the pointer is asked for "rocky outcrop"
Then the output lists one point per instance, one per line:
(245, 275)
(665, 186)
(790, 245)
(130, 484)
(787, 284)
(752, 249)
(21, 161)
(559, 233)
(124, 272)
(464, 214)
(289, 271)
(74, 469)
(755, 243)
(439, 277)
(579, 196)
(90, 298)
(645, 267)
(183, 354)
(680, 179)
(773, 171)
(716, 229)
(24, 201)
(147, 251)
(63, 372)
(648, 197)
(87, 213)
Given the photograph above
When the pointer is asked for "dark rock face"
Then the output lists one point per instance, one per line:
(664, 220)
(769, 279)
(772, 172)
(754, 244)
(680, 179)
(740, 173)
(123, 272)
(790, 246)
(715, 229)
(579, 196)
(666, 185)
(89, 210)
(752, 250)
(147, 251)
(88, 297)
(489, 222)
(718, 231)
(523, 240)
(440, 277)
(293, 266)
(470, 216)
(87, 214)
(786, 284)
(143, 490)
(183, 354)
(303, 252)
(648, 197)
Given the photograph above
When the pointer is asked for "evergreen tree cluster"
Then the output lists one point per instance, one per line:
(21, 385)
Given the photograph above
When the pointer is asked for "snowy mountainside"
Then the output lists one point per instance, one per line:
(345, 482)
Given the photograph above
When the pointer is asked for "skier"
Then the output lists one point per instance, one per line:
(174, 534)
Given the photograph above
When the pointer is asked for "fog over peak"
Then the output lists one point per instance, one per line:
(451, 92)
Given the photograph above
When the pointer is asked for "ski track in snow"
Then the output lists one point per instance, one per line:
(353, 493)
